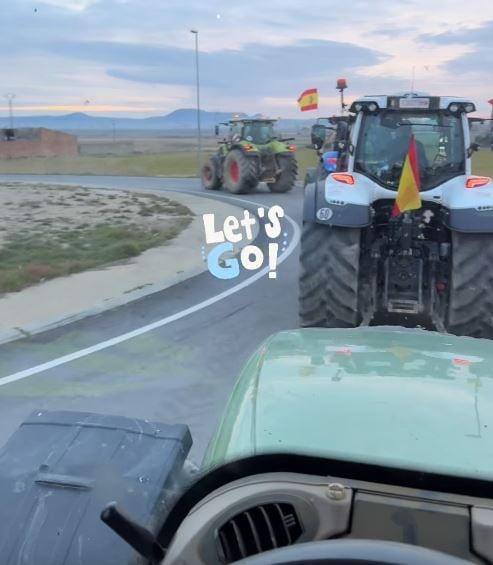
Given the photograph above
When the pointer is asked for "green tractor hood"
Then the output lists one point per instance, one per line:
(397, 397)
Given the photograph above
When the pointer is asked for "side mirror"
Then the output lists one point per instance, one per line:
(216, 130)
(472, 148)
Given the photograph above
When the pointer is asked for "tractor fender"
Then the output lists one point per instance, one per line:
(318, 209)
(310, 203)
(467, 209)
(285, 154)
(311, 175)
(469, 220)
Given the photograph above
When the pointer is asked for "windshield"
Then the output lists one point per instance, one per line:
(166, 206)
(384, 142)
(260, 132)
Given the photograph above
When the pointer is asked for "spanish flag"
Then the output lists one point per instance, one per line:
(410, 183)
(308, 100)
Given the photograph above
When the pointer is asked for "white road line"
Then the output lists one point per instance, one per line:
(164, 321)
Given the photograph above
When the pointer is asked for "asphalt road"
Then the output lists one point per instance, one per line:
(182, 371)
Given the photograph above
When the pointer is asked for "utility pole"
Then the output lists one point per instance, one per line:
(199, 136)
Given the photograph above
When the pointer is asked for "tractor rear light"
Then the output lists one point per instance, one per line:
(475, 182)
(291, 147)
(248, 147)
(345, 178)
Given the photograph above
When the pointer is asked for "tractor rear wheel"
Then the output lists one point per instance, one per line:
(288, 175)
(329, 276)
(470, 308)
(210, 175)
(240, 172)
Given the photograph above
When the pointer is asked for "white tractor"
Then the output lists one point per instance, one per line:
(359, 263)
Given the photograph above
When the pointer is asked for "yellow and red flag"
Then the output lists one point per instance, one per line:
(410, 184)
(308, 100)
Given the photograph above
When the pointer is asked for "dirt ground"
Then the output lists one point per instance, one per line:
(52, 231)
(41, 209)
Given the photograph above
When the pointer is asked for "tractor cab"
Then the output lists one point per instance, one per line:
(256, 131)
(329, 133)
(382, 134)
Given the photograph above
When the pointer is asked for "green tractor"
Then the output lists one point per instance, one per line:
(251, 153)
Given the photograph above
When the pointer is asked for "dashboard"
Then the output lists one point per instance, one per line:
(257, 513)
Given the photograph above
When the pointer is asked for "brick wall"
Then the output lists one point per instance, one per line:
(46, 143)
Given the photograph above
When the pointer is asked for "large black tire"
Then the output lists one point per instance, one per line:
(210, 175)
(328, 294)
(470, 307)
(288, 175)
(240, 172)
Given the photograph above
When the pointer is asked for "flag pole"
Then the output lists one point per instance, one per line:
(341, 86)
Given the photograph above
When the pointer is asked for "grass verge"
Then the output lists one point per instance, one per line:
(173, 164)
(35, 257)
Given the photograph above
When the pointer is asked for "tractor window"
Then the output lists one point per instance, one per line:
(235, 130)
(384, 142)
(259, 133)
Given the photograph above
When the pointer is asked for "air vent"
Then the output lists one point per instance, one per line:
(256, 530)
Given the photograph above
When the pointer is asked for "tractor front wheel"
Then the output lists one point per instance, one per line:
(287, 177)
(240, 172)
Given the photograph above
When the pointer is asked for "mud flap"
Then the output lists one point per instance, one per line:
(60, 469)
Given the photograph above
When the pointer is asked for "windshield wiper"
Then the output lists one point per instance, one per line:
(426, 125)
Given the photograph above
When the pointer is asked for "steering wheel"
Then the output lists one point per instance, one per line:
(353, 552)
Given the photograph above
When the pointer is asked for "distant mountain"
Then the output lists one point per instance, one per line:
(184, 118)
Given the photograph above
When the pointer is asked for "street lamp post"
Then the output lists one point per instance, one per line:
(491, 124)
(10, 100)
(199, 136)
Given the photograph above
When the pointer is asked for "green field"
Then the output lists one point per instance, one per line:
(483, 163)
(173, 164)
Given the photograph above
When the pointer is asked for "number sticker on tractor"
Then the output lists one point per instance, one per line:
(324, 214)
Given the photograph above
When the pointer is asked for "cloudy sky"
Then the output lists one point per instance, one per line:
(136, 57)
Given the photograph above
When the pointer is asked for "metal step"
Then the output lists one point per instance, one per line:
(403, 306)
